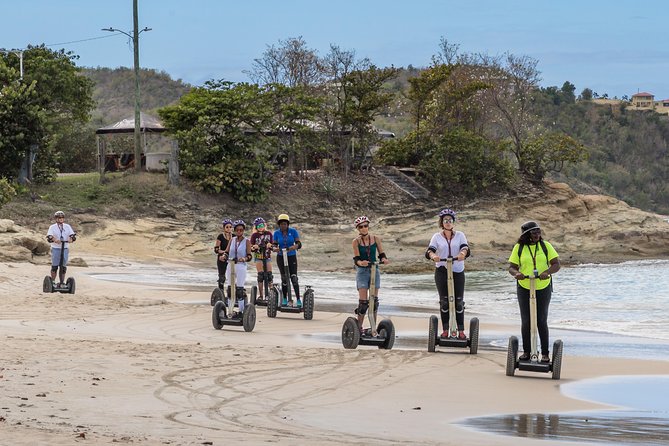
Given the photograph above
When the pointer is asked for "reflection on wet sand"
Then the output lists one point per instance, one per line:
(616, 426)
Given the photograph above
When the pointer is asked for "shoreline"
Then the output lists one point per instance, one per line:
(127, 362)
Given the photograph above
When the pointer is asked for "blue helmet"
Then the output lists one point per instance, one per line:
(226, 221)
(444, 212)
(239, 223)
(258, 221)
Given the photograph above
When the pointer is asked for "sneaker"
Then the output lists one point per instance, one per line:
(366, 332)
(444, 334)
(462, 335)
(299, 303)
(524, 357)
(545, 358)
(284, 302)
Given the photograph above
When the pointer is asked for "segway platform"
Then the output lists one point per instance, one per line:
(435, 339)
(533, 364)
(49, 286)
(351, 336)
(307, 308)
(257, 301)
(221, 315)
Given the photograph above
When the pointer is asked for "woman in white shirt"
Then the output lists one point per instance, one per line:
(444, 244)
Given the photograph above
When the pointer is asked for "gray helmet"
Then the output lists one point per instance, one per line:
(528, 226)
(59, 214)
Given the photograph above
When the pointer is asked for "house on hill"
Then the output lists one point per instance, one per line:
(643, 100)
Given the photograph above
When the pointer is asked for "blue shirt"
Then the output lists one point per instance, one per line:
(286, 241)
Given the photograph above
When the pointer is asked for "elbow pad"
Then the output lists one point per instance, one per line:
(382, 255)
(429, 250)
(355, 260)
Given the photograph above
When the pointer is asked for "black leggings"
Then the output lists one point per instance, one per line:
(222, 266)
(441, 280)
(543, 300)
(292, 266)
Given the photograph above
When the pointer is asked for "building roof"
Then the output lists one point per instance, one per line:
(642, 94)
(147, 123)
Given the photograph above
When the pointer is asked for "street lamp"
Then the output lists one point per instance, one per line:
(135, 44)
(19, 53)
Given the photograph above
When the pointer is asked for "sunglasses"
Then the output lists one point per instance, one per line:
(363, 226)
(535, 231)
(261, 225)
(448, 220)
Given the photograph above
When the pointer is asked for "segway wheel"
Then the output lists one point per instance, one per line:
(217, 313)
(47, 285)
(511, 355)
(557, 358)
(216, 296)
(432, 334)
(386, 329)
(272, 302)
(308, 304)
(71, 285)
(473, 336)
(350, 333)
(254, 294)
(249, 318)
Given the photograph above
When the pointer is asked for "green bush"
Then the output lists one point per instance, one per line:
(7, 191)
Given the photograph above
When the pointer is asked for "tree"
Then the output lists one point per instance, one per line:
(59, 99)
(567, 91)
(548, 153)
(290, 63)
(223, 147)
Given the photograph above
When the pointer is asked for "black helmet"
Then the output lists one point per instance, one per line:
(528, 226)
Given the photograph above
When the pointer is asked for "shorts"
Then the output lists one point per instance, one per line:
(55, 256)
(258, 258)
(363, 276)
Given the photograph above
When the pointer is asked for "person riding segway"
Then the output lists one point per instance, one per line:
(219, 249)
(59, 235)
(237, 254)
(368, 281)
(286, 244)
(532, 263)
(262, 245)
(449, 248)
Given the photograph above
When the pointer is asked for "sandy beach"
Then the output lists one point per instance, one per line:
(121, 363)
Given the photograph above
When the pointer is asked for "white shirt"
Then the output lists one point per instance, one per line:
(449, 248)
(60, 233)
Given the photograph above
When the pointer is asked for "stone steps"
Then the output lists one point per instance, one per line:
(403, 182)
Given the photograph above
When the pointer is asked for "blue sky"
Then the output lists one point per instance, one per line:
(617, 47)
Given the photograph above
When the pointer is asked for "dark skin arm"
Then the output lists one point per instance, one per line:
(552, 269)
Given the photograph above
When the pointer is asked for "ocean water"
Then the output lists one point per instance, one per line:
(596, 309)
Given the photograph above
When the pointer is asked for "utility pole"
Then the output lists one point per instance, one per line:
(19, 54)
(135, 46)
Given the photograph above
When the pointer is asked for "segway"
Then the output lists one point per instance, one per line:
(533, 364)
(223, 314)
(269, 292)
(273, 304)
(67, 286)
(384, 334)
(452, 340)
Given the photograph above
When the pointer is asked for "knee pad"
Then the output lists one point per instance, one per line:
(363, 305)
(54, 269)
(443, 304)
(63, 269)
(241, 293)
(293, 279)
(459, 304)
(261, 277)
(269, 276)
(221, 282)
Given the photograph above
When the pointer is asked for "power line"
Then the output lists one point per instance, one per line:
(78, 41)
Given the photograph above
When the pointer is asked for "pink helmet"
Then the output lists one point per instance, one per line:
(360, 220)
